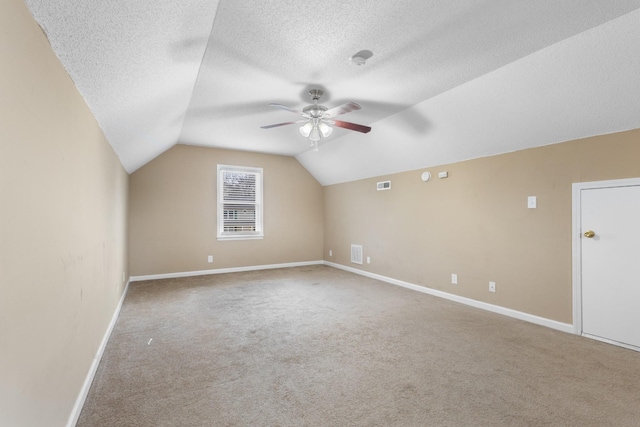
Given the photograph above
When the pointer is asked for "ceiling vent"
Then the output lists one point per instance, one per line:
(383, 185)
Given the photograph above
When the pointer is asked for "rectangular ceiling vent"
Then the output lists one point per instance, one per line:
(356, 254)
(383, 185)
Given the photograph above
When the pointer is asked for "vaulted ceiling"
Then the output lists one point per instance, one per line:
(447, 81)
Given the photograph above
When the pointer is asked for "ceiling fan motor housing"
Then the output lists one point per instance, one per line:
(315, 111)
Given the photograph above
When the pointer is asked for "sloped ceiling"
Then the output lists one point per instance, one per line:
(447, 81)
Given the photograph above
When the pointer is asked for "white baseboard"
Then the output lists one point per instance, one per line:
(84, 392)
(612, 342)
(553, 324)
(223, 270)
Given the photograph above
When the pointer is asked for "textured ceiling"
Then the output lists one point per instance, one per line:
(447, 81)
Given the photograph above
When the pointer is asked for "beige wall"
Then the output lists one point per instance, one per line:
(476, 222)
(172, 217)
(63, 205)
(63, 224)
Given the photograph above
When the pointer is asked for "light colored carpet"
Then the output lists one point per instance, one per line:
(317, 346)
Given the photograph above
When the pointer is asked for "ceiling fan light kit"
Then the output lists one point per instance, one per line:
(320, 118)
(313, 130)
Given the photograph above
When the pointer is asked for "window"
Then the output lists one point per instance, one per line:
(239, 202)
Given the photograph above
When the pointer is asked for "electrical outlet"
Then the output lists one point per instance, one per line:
(454, 279)
(492, 286)
(210, 258)
(330, 252)
(368, 260)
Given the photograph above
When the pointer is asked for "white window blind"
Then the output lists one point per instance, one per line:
(239, 202)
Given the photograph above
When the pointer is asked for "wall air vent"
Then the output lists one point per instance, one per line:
(356, 254)
(383, 185)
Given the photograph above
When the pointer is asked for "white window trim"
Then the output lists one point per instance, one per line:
(246, 235)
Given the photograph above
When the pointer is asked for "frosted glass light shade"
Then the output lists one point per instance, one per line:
(325, 129)
(314, 135)
(305, 130)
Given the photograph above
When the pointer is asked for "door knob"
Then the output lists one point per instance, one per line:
(589, 234)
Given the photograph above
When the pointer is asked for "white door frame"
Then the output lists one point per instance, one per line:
(576, 239)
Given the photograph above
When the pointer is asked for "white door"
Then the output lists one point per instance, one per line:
(610, 263)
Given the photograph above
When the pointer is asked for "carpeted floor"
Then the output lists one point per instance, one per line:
(317, 346)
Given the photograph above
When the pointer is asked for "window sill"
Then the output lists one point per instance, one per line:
(256, 237)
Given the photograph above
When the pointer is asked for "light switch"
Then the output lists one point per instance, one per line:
(531, 202)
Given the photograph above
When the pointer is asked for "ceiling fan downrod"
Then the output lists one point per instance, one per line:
(316, 94)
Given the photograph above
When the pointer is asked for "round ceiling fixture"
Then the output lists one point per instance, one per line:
(361, 57)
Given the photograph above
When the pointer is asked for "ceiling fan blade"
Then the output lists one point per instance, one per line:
(282, 124)
(342, 109)
(351, 126)
(284, 107)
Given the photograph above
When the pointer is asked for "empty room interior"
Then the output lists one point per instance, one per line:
(288, 213)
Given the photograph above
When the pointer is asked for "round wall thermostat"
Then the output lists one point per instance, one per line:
(426, 176)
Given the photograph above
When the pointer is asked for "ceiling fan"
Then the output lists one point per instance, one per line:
(318, 118)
